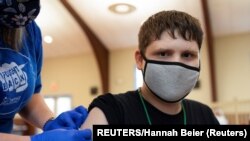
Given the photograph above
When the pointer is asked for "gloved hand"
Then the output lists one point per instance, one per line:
(72, 119)
(63, 135)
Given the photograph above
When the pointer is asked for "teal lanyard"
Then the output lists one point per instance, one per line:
(147, 114)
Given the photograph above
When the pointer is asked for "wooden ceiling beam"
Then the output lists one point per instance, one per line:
(210, 45)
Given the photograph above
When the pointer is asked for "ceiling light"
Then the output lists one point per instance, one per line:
(122, 8)
(48, 39)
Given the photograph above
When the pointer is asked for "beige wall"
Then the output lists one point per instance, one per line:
(122, 65)
(232, 55)
(71, 76)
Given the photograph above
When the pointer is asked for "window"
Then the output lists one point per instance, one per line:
(59, 104)
(138, 78)
(50, 101)
(63, 104)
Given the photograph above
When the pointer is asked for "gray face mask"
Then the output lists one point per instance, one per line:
(170, 81)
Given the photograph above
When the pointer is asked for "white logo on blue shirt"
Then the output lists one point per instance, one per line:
(13, 78)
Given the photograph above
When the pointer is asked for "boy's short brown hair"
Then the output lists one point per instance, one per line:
(186, 26)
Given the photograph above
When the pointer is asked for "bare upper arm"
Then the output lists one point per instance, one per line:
(95, 116)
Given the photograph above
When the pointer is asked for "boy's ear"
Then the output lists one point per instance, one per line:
(139, 60)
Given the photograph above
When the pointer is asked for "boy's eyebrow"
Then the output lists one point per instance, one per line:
(164, 49)
(191, 50)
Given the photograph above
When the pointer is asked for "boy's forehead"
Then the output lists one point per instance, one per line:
(168, 42)
(172, 36)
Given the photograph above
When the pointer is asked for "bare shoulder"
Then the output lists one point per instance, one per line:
(95, 117)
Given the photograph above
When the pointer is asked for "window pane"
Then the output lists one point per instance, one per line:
(138, 78)
(50, 101)
(63, 104)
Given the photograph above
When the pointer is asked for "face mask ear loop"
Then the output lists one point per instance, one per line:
(199, 69)
(144, 73)
(146, 62)
(199, 64)
(143, 56)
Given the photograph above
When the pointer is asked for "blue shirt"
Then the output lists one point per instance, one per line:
(19, 75)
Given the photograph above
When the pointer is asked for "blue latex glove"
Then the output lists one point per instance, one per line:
(63, 135)
(72, 119)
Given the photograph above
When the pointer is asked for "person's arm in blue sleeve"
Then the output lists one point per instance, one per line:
(36, 111)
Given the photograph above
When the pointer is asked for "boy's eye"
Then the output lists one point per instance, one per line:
(188, 55)
(165, 53)
(162, 54)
